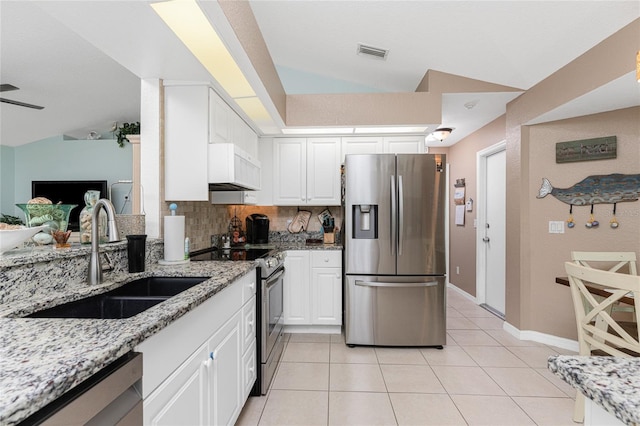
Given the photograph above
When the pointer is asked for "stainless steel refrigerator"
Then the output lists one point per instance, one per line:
(394, 260)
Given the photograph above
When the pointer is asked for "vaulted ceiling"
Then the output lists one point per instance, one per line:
(83, 60)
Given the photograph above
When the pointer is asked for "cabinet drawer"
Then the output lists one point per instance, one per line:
(248, 286)
(248, 324)
(326, 258)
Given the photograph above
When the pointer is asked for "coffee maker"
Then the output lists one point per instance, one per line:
(257, 229)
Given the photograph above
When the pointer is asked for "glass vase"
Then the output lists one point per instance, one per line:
(90, 199)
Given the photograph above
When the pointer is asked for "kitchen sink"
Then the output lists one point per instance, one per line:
(123, 302)
(157, 286)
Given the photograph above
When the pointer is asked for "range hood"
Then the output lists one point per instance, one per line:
(232, 169)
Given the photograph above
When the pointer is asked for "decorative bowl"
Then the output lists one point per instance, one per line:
(12, 238)
(55, 216)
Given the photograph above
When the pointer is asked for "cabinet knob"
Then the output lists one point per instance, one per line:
(326, 259)
(207, 363)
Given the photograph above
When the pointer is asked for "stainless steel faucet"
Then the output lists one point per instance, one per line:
(95, 267)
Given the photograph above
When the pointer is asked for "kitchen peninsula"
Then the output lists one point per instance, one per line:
(41, 359)
(610, 383)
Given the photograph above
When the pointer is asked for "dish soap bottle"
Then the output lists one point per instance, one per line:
(91, 197)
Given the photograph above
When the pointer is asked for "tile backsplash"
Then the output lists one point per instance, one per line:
(203, 219)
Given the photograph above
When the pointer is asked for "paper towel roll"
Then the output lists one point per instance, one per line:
(173, 238)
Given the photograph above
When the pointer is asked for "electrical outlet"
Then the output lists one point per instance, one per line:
(457, 270)
(556, 227)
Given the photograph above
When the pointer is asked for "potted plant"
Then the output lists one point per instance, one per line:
(124, 130)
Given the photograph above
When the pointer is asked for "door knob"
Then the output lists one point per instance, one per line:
(485, 239)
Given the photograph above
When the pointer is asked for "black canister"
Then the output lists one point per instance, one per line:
(136, 252)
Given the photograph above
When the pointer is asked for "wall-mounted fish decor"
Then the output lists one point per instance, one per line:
(596, 189)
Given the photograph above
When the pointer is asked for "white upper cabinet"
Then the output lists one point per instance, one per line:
(195, 116)
(228, 127)
(264, 197)
(290, 171)
(186, 133)
(382, 144)
(362, 145)
(323, 171)
(306, 171)
(403, 144)
(221, 113)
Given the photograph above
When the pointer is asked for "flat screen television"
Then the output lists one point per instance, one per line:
(68, 192)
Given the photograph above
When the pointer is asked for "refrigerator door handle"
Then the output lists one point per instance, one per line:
(400, 215)
(392, 240)
(384, 284)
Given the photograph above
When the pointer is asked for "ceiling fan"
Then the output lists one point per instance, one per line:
(9, 87)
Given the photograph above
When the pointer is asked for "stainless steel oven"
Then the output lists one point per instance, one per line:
(269, 304)
(270, 337)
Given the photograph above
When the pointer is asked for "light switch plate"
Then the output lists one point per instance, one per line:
(556, 227)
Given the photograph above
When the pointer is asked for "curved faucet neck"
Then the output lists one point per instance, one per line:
(95, 266)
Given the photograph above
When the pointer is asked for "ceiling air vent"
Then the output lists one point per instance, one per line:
(374, 52)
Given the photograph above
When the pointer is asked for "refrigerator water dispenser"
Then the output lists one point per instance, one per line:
(365, 223)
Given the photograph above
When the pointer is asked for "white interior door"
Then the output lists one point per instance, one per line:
(495, 231)
(491, 228)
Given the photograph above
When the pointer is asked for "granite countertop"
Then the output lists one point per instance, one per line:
(40, 359)
(611, 382)
(292, 245)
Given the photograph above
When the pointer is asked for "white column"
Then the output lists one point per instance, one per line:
(151, 153)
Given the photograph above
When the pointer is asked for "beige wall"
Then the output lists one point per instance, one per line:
(609, 60)
(462, 239)
(551, 303)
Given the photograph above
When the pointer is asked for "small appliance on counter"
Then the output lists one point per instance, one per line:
(257, 229)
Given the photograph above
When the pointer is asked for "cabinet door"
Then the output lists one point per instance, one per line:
(326, 296)
(225, 373)
(182, 398)
(290, 171)
(265, 155)
(296, 308)
(403, 144)
(323, 171)
(220, 131)
(361, 145)
(249, 371)
(186, 134)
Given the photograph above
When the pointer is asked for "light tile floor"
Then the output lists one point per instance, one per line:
(484, 376)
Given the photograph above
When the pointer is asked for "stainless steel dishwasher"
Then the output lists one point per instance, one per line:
(106, 398)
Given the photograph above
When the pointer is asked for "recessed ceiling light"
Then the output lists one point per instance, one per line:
(318, 131)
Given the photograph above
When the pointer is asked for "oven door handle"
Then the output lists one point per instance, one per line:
(274, 277)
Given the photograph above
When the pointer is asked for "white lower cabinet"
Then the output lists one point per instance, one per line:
(182, 398)
(199, 370)
(313, 288)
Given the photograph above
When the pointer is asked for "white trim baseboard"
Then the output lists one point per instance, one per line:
(534, 336)
(547, 339)
(462, 293)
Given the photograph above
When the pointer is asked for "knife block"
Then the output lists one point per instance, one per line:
(329, 238)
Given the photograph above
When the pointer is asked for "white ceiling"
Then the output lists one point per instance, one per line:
(83, 60)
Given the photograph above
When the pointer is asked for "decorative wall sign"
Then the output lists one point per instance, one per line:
(596, 189)
(587, 150)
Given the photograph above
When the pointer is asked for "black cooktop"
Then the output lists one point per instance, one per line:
(213, 253)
